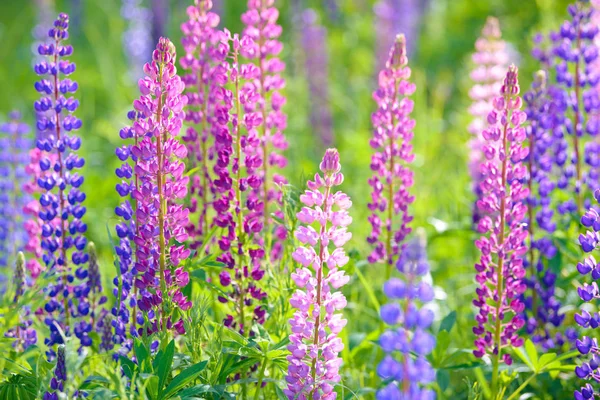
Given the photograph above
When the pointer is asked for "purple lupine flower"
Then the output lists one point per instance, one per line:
(23, 333)
(106, 332)
(500, 270)
(239, 210)
(61, 200)
(57, 383)
(137, 38)
(407, 335)
(490, 62)
(392, 136)
(589, 370)
(124, 312)
(161, 220)
(316, 59)
(263, 50)
(203, 63)
(14, 147)
(314, 363)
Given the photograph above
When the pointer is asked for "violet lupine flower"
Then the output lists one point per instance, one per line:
(161, 220)
(57, 383)
(490, 59)
(23, 333)
(316, 58)
(502, 206)
(574, 44)
(138, 35)
(14, 147)
(263, 50)
(61, 208)
(392, 179)
(314, 363)
(239, 210)
(589, 370)
(124, 312)
(407, 335)
(203, 63)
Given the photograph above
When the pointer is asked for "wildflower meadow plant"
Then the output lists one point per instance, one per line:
(314, 362)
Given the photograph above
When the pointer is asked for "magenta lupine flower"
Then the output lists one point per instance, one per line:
(260, 22)
(392, 136)
(239, 210)
(203, 64)
(490, 63)
(162, 184)
(503, 208)
(314, 363)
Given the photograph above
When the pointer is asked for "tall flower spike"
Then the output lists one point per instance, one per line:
(61, 208)
(57, 383)
(316, 58)
(239, 210)
(203, 64)
(589, 370)
(23, 333)
(314, 363)
(407, 334)
(392, 179)
(261, 27)
(490, 62)
(161, 219)
(500, 270)
(14, 145)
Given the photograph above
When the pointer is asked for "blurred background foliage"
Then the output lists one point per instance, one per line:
(440, 61)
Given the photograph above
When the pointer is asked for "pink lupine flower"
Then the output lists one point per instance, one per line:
(314, 362)
(500, 270)
(392, 136)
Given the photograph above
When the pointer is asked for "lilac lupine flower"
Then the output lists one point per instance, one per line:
(316, 58)
(161, 220)
(23, 333)
(392, 136)
(239, 210)
(14, 147)
(106, 332)
(407, 335)
(57, 383)
(490, 62)
(203, 63)
(61, 201)
(314, 364)
(500, 270)
(263, 50)
(137, 38)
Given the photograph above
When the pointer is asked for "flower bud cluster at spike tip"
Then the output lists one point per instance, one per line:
(490, 62)
(57, 383)
(263, 47)
(205, 75)
(316, 66)
(124, 318)
(23, 333)
(407, 333)
(14, 145)
(314, 363)
(161, 185)
(589, 370)
(238, 206)
(61, 209)
(502, 206)
(393, 151)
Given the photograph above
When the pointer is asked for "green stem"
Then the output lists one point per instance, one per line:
(261, 376)
(523, 386)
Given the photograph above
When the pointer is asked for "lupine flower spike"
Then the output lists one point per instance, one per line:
(392, 136)
(61, 208)
(490, 62)
(500, 270)
(314, 343)
(407, 333)
(161, 219)
(23, 333)
(57, 383)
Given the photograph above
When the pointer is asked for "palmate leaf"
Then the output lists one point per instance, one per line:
(162, 365)
(19, 387)
(184, 378)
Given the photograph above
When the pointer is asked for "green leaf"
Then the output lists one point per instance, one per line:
(128, 366)
(183, 378)
(546, 359)
(162, 365)
(520, 352)
(532, 353)
(448, 322)
(142, 355)
(443, 379)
